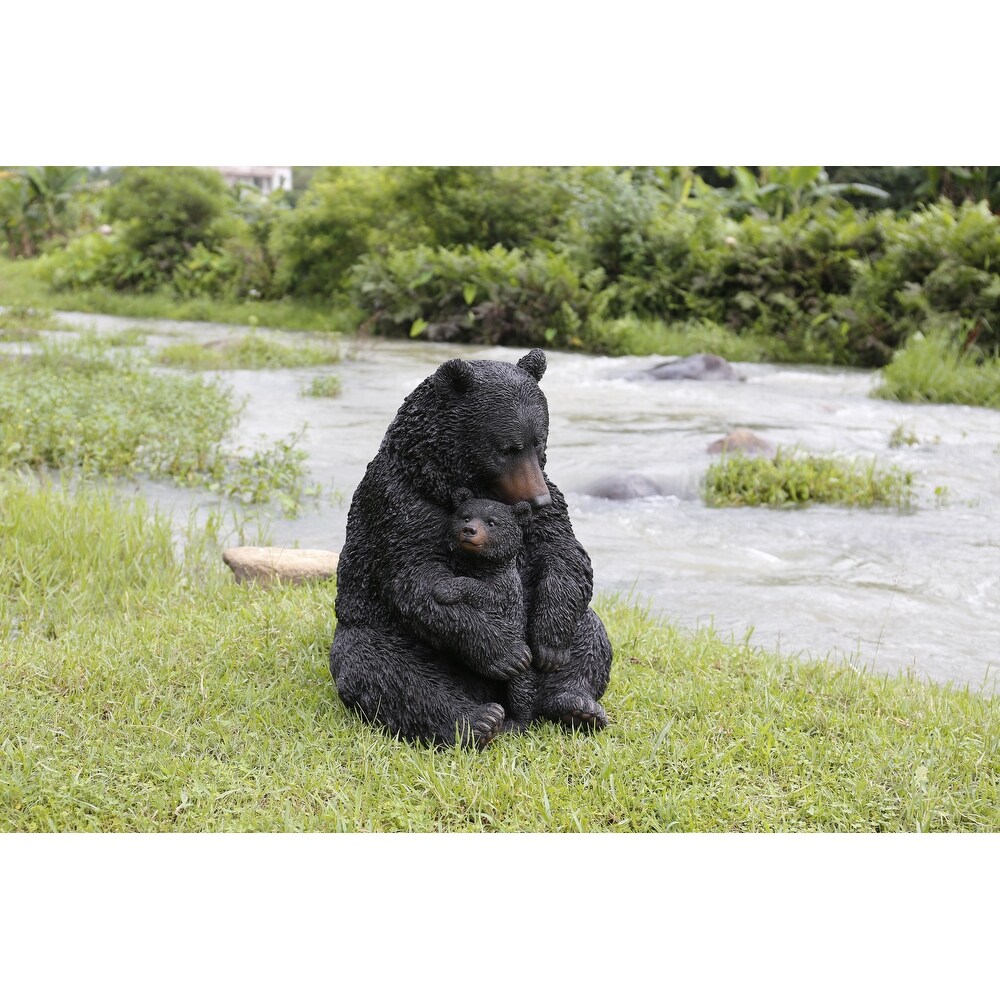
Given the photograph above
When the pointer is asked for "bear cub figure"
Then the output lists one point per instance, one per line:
(483, 539)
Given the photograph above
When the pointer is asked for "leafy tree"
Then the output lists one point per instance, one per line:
(167, 211)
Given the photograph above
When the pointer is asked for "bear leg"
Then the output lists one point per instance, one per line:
(570, 695)
(412, 691)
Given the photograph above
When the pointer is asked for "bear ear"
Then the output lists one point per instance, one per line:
(461, 496)
(522, 512)
(454, 378)
(534, 363)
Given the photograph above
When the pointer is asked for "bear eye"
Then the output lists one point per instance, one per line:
(492, 524)
(512, 449)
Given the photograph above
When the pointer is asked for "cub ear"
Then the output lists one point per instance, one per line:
(454, 378)
(522, 512)
(534, 363)
(461, 496)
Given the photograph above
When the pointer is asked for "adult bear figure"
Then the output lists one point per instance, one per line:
(399, 658)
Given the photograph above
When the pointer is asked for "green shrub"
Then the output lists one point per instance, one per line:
(940, 261)
(790, 480)
(165, 212)
(352, 211)
(237, 269)
(493, 296)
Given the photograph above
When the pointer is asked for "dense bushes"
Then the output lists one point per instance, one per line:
(784, 261)
(493, 296)
(349, 212)
(170, 227)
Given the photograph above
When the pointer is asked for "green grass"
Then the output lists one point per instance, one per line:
(21, 286)
(144, 690)
(936, 369)
(97, 413)
(19, 324)
(251, 351)
(631, 335)
(791, 480)
(324, 387)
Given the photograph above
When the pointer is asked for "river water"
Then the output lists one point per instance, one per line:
(879, 589)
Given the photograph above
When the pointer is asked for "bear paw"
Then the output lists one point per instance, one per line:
(550, 658)
(578, 711)
(487, 723)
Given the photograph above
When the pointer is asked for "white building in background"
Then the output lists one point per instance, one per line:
(268, 179)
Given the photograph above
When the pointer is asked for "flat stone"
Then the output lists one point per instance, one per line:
(266, 564)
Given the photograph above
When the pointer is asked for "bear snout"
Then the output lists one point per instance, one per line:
(524, 482)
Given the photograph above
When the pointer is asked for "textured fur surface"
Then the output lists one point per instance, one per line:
(436, 671)
(484, 539)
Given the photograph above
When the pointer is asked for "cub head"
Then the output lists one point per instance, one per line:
(486, 529)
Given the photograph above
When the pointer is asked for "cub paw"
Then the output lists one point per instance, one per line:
(516, 662)
(487, 723)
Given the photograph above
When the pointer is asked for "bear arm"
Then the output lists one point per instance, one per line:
(563, 588)
(461, 590)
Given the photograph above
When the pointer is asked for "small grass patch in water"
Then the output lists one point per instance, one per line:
(254, 350)
(133, 336)
(938, 368)
(144, 690)
(81, 408)
(323, 387)
(793, 480)
(20, 324)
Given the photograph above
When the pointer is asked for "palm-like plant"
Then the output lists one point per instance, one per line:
(781, 191)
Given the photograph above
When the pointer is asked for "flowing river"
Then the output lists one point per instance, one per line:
(879, 589)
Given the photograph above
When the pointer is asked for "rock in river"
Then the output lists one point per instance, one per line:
(703, 367)
(743, 440)
(624, 486)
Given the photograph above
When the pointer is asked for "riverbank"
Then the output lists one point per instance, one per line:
(21, 288)
(145, 690)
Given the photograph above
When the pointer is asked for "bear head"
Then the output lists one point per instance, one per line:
(499, 426)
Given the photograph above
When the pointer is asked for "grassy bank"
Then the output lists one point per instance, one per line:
(144, 690)
(89, 409)
(939, 369)
(21, 287)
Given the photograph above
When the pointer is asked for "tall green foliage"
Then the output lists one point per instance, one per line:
(36, 205)
(351, 211)
(165, 212)
(794, 258)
